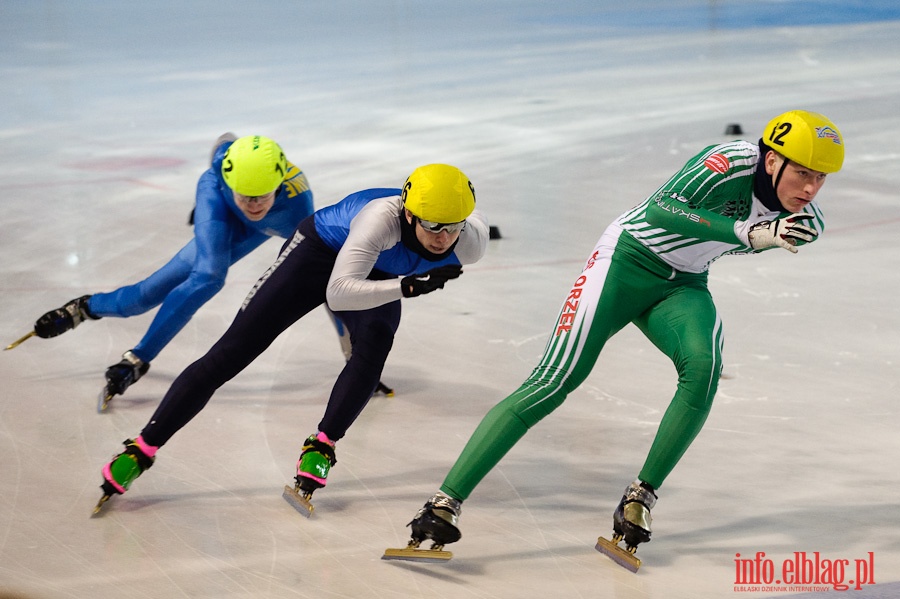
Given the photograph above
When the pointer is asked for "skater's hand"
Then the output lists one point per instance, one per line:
(784, 232)
(415, 285)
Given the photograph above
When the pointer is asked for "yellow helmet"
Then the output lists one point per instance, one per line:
(439, 193)
(807, 138)
(254, 166)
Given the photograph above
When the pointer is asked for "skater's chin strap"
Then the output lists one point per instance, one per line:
(763, 188)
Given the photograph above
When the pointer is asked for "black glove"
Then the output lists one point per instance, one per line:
(414, 285)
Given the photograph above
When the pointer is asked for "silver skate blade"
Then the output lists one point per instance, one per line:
(623, 557)
(411, 554)
(103, 400)
(298, 501)
(20, 340)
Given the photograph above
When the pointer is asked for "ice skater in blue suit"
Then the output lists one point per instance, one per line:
(250, 192)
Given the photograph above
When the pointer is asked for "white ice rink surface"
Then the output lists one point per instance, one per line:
(563, 117)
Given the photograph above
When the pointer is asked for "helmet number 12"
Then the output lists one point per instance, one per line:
(776, 139)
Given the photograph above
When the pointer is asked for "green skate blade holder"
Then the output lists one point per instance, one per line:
(412, 554)
(298, 501)
(623, 557)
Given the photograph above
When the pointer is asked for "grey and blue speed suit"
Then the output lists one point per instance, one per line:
(348, 255)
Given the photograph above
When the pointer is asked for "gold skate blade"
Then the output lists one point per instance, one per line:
(412, 554)
(298, 501)
(621, 556)
(384, 390)
(99, 505)
(20, 340)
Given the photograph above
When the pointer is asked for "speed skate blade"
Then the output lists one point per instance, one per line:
(621, 556)
(298, 501)
(99, 505)
(417, 555)
(103, 400)
(21, 340)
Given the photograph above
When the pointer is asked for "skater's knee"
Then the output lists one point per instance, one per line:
(207, 284)
(702, 368)
(697, 397)
(698, 379)
(372, 341)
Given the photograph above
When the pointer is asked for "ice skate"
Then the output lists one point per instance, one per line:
(384, 390)
(56, 322)
(436, 521)
(121, 376)
(631, 523)
(125, 468)
(225, 137)
(313, 467)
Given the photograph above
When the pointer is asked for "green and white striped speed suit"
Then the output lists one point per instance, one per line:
(648, 268)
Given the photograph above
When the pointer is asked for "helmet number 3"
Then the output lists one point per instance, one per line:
(783, 128)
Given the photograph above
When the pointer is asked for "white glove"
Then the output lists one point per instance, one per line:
(783, 232)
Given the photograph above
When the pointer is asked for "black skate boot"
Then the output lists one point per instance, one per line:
(125, 467)
(437, 520)
(121, 376)
(56, 322)
(384, 390)
(631, 523)
(315, 463)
